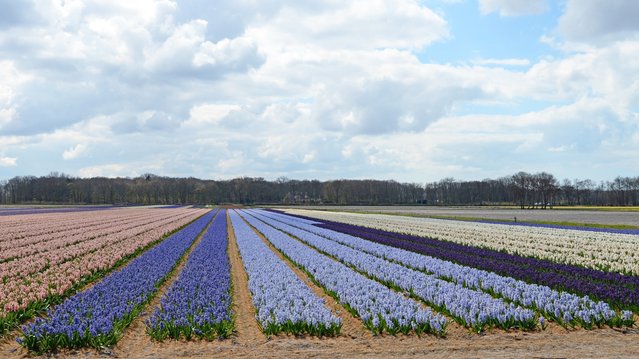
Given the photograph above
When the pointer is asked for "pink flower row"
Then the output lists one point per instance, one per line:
(27, 229)
(78, 246)
(73, 241)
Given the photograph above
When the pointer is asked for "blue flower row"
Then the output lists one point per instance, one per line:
(283, 302)
(565, 308)
(471, 308)
(96, 317)
(198, 303)
(380, 308)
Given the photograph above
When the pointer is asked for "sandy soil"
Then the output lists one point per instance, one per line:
(355, 341)
(601, 343)
(577, 216)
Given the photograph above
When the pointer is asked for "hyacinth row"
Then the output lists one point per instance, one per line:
(380, 308)
(471, 308)
(96, 317)
(20, 261)
(283, 302)
(621, 291)
(47, 242)
(65, 269)
(564, 308)
(597, 250)
(41, 248)
(198, 303)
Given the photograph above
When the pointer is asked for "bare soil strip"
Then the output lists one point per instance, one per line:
(599, 343)
(351, 327)
(9, 347)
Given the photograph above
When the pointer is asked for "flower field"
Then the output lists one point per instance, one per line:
(390, 275)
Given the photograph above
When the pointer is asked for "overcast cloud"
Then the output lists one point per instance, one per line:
(399, 89)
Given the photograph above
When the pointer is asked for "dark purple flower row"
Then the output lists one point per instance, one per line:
(97, 316)
(198, 303)
(620, 290)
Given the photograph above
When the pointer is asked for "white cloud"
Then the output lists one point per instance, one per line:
(74, 152)
(187, 50)
(10, 87)
(355, 25)
(208, 114)
(108, 170)
(513, 7)
(600, 21)
(8, 161)
(6, 115)
(97, 56)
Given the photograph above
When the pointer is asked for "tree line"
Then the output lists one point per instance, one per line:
(536, 190)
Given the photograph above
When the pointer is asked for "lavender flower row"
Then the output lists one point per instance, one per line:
(471, 308)
(97, 316)
(381, 309)
(621, 291)
(283, 302)
(198, 303)
(565, 308)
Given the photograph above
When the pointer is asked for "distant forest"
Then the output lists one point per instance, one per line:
(538, 190)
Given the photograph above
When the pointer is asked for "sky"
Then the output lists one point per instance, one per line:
(408, 90)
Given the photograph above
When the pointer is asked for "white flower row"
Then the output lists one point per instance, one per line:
(599, 250)
(380, 308)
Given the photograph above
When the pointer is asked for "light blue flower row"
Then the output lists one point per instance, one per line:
(283, 302)
(563, 307)
(380, 308)
(472, 308)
